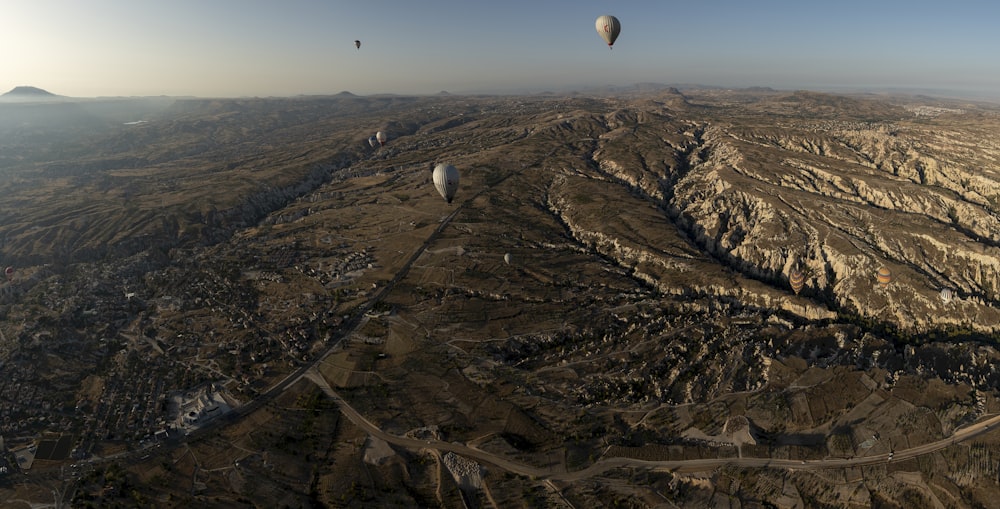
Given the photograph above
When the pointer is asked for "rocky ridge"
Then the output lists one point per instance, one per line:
(839, 199)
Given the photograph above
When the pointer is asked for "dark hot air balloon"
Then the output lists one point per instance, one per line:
(796, 279)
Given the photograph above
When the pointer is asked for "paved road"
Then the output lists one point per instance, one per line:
(412, 443)
(708, 464)
(605, 464)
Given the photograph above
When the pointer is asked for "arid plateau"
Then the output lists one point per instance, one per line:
(651, 297)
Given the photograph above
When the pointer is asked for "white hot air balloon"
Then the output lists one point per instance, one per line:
(446, 180)
(608, 28)
(380, 136)
(506, 258)
(947, 294)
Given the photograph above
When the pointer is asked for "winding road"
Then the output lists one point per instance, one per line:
(605, 464)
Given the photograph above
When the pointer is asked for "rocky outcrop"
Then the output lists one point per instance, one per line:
(840, 199)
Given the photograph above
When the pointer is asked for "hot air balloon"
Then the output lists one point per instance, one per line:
(884, 276)
(380, 136)
(373, 141)
(357, 44)
(608, 28)
(946, 295)
(446, 180)
(506, 258)
(9, 272)
(796, 279)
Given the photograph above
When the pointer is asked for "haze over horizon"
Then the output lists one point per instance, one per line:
(228, 48)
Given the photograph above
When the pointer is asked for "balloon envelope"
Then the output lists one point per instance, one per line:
(608, 28)
(9, 272)
(506, 258)
(372, 141)
(796, 280)
(946, 295)
(380, 136)
(357, 44)
(446, 180)
(884, 276)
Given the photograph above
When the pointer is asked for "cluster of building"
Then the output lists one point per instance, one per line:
(113, 362)
(23, 405)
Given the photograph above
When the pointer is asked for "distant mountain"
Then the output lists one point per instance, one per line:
(28, 94)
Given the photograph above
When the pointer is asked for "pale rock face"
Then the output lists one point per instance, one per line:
(841, 199)
(717, 213)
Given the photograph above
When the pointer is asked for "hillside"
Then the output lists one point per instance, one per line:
(24, 93)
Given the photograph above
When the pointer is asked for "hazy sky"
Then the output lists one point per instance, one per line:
(87, 48)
